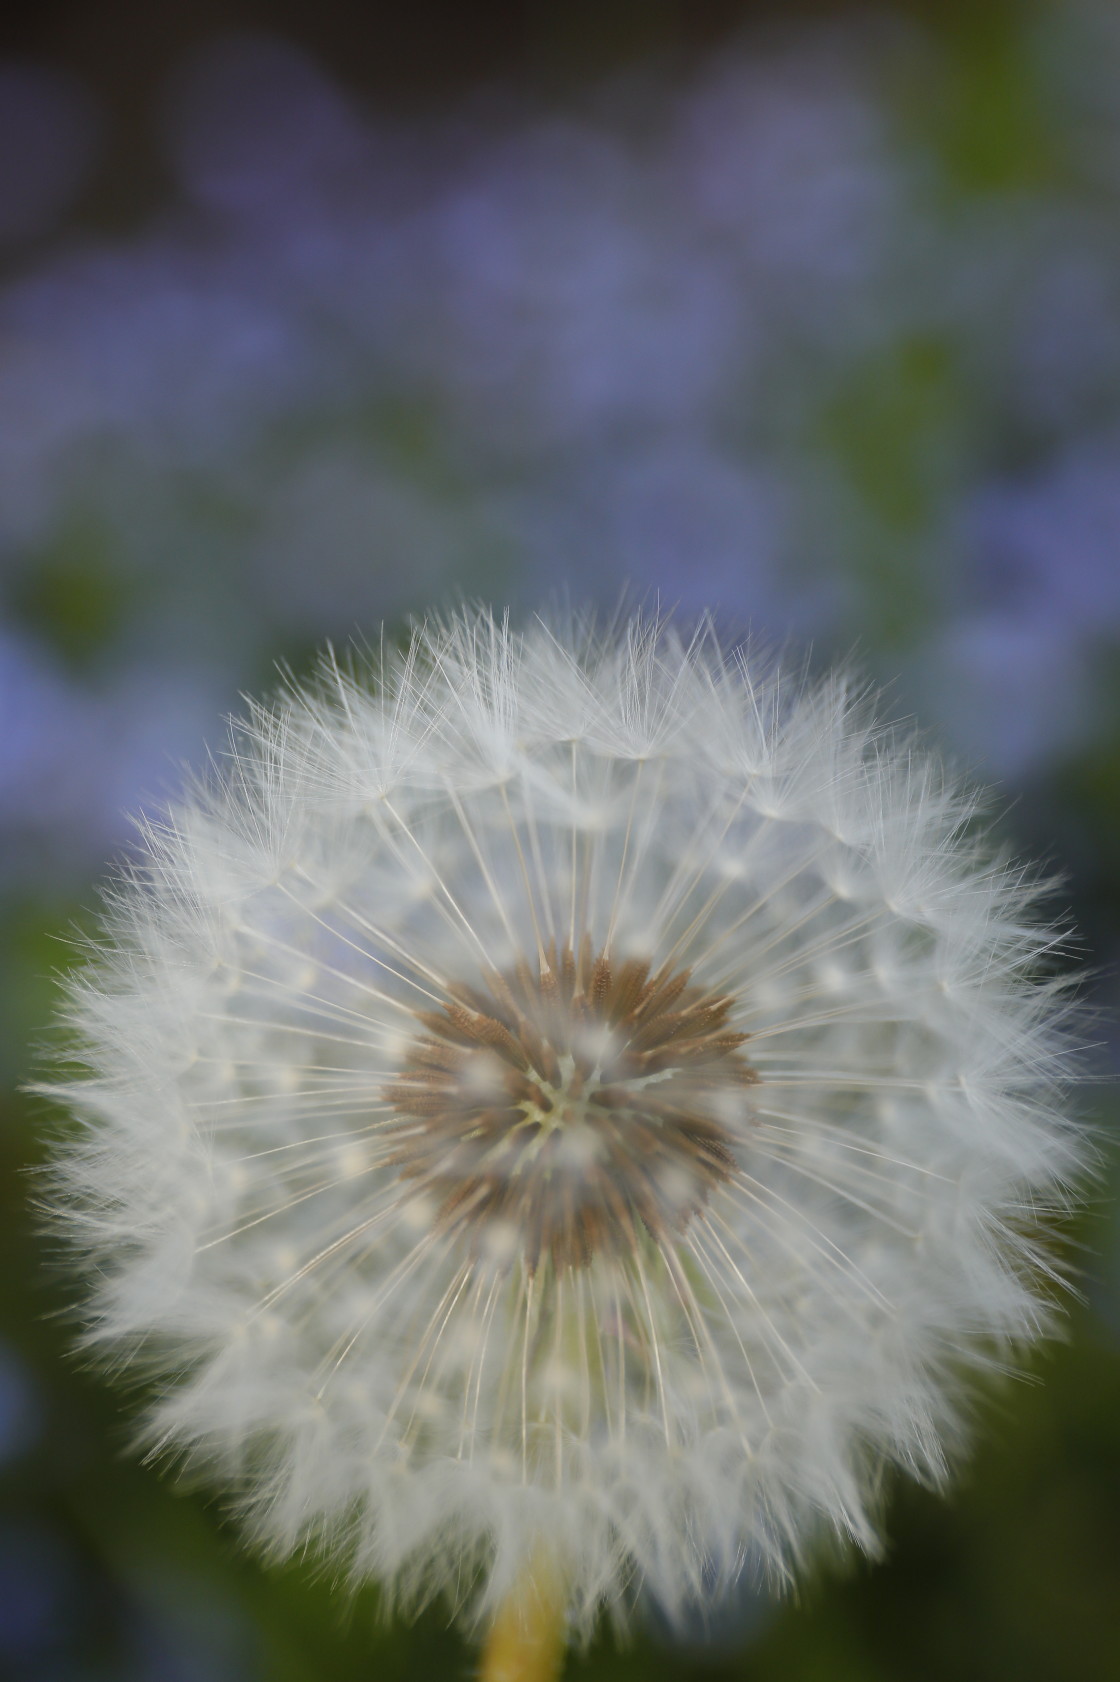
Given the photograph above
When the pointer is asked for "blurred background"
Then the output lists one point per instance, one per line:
(314, 317)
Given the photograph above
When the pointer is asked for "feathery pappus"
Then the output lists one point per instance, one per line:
(567, 1094)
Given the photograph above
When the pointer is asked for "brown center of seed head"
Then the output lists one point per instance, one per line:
(554, 1112)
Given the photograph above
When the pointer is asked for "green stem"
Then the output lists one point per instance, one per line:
(527, 1638)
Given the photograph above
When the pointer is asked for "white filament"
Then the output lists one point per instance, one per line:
(710, 1399)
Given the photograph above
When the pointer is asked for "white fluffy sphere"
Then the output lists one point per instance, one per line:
(566, 1092)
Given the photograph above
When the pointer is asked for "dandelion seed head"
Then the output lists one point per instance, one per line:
(566, 1089)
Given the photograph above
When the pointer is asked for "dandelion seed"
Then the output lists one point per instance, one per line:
(566, 1103)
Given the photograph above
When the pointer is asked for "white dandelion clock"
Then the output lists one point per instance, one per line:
(562, 1112)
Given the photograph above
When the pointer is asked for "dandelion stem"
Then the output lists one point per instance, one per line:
(527, 1638)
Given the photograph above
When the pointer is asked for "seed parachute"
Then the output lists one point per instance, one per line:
(573, 1095)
